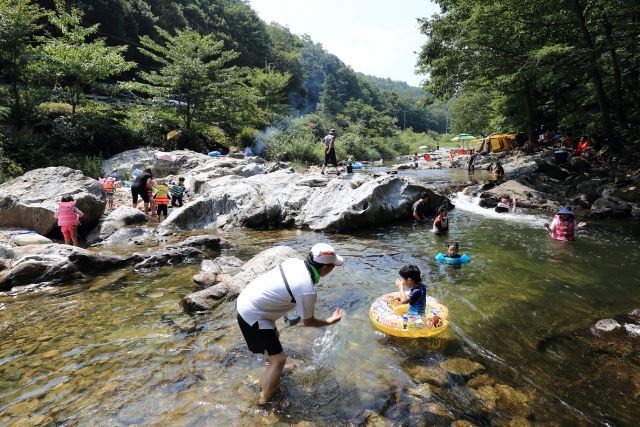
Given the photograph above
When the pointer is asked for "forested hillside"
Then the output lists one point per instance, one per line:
(84, 82)
(568, 65)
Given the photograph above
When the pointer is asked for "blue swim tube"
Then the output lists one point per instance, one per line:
(441, 257)
(214, 154)
(357, 165)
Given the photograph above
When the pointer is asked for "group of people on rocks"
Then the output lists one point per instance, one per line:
(157, 194)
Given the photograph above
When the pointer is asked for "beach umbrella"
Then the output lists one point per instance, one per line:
(462, 137)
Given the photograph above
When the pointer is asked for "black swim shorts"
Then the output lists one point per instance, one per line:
(259, 340)
(163, 209)
(330, 158)
(142, 192)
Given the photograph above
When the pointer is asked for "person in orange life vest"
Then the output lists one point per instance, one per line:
(583, 146)
(109, 190)
(152, 203)
(441, 223)
(563, 226)
(161, 198)
(68, 219)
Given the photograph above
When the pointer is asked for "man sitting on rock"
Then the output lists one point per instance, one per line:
(272, 295)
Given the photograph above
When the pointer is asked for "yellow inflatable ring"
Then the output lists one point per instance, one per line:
(386, 313)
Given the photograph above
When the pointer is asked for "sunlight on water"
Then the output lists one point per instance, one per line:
(119, 350)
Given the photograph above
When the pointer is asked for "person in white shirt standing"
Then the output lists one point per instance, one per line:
(272, 295)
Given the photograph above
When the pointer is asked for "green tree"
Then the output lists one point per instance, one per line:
(18, 28)
(194, 72)
(271, 85)
(70, 57)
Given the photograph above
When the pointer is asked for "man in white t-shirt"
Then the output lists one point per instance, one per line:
(272, 295)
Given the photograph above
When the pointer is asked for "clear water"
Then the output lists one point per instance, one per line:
(119, 350)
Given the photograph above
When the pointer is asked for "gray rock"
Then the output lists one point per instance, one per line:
(131, 236)
(119, 218)
(56, 264)
(628, 194)
(126, 162)
(30, 239)
(632, 329)
(29, 201)
(217, 270)
(591, 187)
(579, 164)
(608, 206)
(283, 199)
(606, 325)
(526, 197)
(551, 170)
(6, 252)
(213, 296)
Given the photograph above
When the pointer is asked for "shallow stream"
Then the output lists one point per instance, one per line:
(119, 350)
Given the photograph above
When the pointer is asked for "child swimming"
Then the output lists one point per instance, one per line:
(410, 278)
(441, 223)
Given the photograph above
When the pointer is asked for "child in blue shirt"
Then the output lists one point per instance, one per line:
(410, 278)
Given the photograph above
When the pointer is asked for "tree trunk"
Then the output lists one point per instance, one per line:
(617, 76)
(17, 113)
(596, 78)
(532, 110)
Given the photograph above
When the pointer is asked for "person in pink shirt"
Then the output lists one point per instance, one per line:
(68, 219)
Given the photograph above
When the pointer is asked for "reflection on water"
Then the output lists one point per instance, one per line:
(120, 350)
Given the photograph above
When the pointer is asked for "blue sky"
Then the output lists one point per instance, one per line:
(378, 37)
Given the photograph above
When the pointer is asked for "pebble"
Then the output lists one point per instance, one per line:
(460, 366)
(606, 325)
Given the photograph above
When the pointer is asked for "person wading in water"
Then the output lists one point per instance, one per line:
(272, 295)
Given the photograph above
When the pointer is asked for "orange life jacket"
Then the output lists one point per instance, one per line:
(108, 187)
(162, 194)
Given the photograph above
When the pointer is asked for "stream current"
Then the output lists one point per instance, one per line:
(119, 350)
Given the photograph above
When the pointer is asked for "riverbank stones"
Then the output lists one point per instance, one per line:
(461, 366)
(606, 325)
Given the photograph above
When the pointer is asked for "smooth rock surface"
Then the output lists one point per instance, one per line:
(213, 296)
(289, 200)
(460, 366)
(123, 164)
(217, 270)
(56, 264)
(30, 239)
(526, 197)
(117, 219)
(29, 201)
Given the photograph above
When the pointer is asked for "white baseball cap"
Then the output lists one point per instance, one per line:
(323, 253)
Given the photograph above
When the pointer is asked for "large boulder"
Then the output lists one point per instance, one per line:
(285, 199)
(56, 264)
(29, 201)
(59, 264)
(229, 289)
(526, 197)
(217, 270)
(161, 164)
(552, 170)
(119, 218)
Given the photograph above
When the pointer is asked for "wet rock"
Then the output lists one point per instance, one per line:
(119, 218)
(217, 270)
(460, 366)
(283, 200)
(511, 401)
(56, 264)
(582, 200)
(428, 374)
(526, 197)
(30, 239)
(213, 296)
(205, 242)
(480, 381)
(191, 248)
(438, 409)
(422, 391)
(608, 206)
(373, 419)
(462, 423)
(29, 201)
(606, 325)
